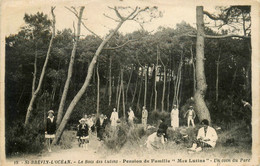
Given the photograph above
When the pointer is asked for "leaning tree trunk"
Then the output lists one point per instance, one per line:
(202, 109)
(34, 95)
(98, 89)
(70, 70)
(85, 85)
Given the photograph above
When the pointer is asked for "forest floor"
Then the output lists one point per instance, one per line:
(175, 153)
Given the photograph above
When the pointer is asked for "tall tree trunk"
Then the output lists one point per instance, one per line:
(85, 85)
(35, 70)
(133, 97)
(164, 87)
(217, 75)
(202, 110)
(168, 94)
(98, 95)
(194, 71)
(70, 70)
(110, 81)
(178, 87)
(119, 97)
(30, 107)
(155, 74)
(123, 93)
(118, 88)
(151, 100)
(145, 83)
(177, 84)
(140, 90)
(128, 84)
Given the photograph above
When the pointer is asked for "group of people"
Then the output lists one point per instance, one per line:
(89, 124)
(206, 137)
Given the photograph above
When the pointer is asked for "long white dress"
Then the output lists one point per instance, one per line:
(114, 118)
(175, 118)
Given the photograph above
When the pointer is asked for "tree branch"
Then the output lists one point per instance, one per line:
(137, 13)
(117, 13)
(75, 13)
(211, 16)
(91, 31)
(111, 18)
(112, 48)
(226, 36)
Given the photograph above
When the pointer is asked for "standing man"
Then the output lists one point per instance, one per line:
(100, 126)
(114, 118)
(131, 116)
(144, 117)
(175, 117)
(190, 116)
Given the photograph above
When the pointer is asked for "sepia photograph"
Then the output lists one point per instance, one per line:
(122, 82)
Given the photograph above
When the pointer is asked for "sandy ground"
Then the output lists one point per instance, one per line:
(98, 154)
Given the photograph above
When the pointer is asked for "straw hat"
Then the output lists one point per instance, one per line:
(82, 119)
(51, 111)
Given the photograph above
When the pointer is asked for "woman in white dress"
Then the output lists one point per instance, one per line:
(114, 118)
(175, 117)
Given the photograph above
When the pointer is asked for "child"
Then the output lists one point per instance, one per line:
(50, 129)
(190, 116)
(82, 133)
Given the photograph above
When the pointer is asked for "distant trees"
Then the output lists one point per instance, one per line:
(37, 26)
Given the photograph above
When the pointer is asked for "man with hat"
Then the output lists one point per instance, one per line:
(190, 116)
(100, 126)
(175, 117)
(206, 138)
(50, 129)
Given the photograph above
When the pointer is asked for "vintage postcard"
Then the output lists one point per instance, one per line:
(129, 82)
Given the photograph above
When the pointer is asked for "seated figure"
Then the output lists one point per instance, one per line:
(156, 140)
(206, 137)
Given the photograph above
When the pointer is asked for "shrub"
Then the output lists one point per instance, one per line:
(115, 139)
(20, 139)
(156, 115)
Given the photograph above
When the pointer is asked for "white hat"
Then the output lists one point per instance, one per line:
(51, 111)
(82, 119)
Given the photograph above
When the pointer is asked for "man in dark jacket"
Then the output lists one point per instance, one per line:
(100, 126)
